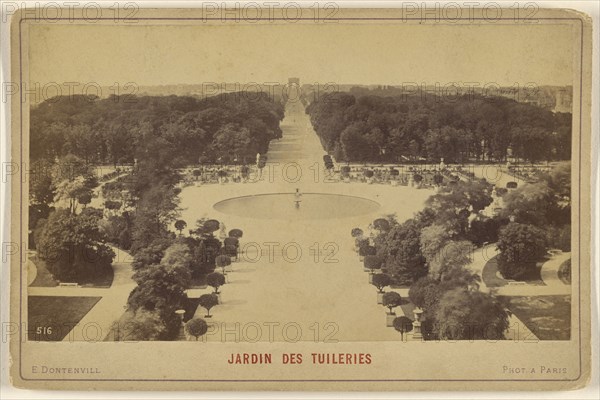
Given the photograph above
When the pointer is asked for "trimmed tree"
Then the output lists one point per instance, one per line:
(140, 325)
(208, 301)
(403, 325)
(367, 250)
(381, 224)
(180, 225)
(380, 281)
(231, 246)
(196, 327)
(236, 233)
(216, 280)
(373, 263)
(392, 300)
(356, 232)
(223, 261)
(245, 171)
(345, 171)
(470, 315)
(210, 226)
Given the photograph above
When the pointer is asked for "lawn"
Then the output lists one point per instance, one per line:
(548, 317)
(51, 318)
(45, 279)
(490, 275)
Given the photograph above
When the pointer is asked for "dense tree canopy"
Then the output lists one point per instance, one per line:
(470, 315)
(521, 246)
(367, 127)
(72, 246)
(117, 130)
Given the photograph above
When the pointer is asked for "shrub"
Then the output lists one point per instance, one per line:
(484, 230)
(216, 280)
(381, 224)
(357, 232)
(231, 241)
(521, 246)
(470, 315)
(211, 225)
(236, 233)
(373, 262)
(392, 300)
(367, 250)
(501, 191)
(380, 281)
(180, 225)
(403, 325)
(141, 325)
(559, 237)
(564, 272)
(112, 204)
(223, 261)
(125, 239)
(208, 301)
(196, 327)
(369, 173)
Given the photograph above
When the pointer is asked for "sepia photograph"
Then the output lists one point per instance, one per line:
(319, 195)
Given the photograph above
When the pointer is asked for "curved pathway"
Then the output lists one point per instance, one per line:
(550, 273)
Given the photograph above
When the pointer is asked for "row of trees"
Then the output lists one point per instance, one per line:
(373, 128)
(434, 265)
(166, 268)
(431, 251)
(447, 291)
(113, 130)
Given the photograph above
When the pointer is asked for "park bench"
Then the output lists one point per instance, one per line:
(517, 283)
(68, 284)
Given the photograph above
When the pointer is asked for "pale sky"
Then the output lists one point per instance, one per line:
(382, 53)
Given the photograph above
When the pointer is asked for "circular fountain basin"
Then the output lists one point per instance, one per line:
(310, 206)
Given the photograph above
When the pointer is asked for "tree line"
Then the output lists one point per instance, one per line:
(114, 130)
(371, 128)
